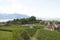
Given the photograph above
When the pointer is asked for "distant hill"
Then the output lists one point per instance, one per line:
(12, 16)
(7, 17)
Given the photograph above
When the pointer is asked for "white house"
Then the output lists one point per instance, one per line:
(51, 26)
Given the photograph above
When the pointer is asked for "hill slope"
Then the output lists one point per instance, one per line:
(47, 35)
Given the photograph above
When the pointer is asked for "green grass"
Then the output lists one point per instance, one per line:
(17, 27)
(37, 31)
(47, 35)
(30, 32)
(14, 27)
(6, 35)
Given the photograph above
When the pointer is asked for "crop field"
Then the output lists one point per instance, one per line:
(47, 35)
(24, 32)
(6, 35)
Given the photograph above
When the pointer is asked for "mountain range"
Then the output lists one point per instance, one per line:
(6, 17)
(12, 16)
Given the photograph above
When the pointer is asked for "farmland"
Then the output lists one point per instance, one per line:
(6, 35)
(17, 32)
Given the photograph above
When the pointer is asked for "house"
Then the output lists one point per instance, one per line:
(51, 26)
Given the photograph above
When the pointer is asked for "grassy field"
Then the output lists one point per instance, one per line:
(6, 35)
(17, 27)
(47, 35)
(17, 32)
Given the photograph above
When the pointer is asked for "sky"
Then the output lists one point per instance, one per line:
(38, 8)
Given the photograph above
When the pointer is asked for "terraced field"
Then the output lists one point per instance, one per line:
(4, 35)
(19, 32)
(47, 35)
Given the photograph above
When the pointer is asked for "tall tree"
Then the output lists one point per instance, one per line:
(32, 18)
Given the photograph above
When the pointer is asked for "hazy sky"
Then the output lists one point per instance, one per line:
(38, 8)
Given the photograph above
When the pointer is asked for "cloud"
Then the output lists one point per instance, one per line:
(38, 8)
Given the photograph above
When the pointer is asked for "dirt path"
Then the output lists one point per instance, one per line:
(33, 38)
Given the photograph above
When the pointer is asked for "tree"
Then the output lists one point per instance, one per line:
(32, 18)
(8, 23)
(23, 21)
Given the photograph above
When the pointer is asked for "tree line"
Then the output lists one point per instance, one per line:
(30, 20)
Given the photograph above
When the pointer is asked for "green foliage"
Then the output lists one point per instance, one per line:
(15, 35)
(29, 20)
(4, 35)
(31, 32)
(58, 29)
(32, 18)
(23, 21)
(18, 32)
(57, 22)
(38, 26)
(47, 35)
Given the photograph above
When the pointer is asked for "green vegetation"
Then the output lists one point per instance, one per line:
(17, 33)
(30, 20)
(6, 35)
(47, 35)
(27, 29)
